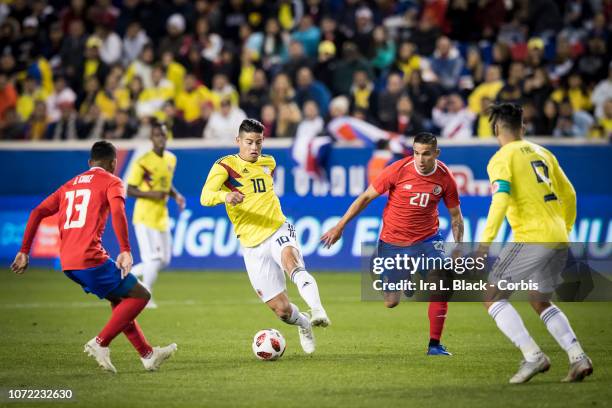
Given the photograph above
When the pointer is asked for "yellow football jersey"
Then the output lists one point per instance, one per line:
(152, 173)
(542, 201)
(260, 214)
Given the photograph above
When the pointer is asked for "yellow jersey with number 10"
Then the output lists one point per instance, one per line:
(259, 215)
(151, 172)
(541, 207)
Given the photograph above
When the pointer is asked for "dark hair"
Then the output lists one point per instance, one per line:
(156, 124)
(102, 151)
(251, 126)
(509, 115)
(426, 138)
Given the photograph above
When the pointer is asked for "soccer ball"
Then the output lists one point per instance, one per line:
(268, 344)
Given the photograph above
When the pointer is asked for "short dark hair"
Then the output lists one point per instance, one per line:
(426, 138)
(251, 126)
(103, 150)
(508, 115)
(156, 124)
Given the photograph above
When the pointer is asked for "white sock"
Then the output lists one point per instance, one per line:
(307, 286)
(150, 271)
(559, 327)
(297, 318)
(510, 323)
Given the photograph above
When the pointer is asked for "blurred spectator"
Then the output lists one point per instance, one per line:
(175, 72)
(199, 66)
(361, 91)
(87, 98)
(384, 106)
(575, 91)
(566, 127)
(453, 118)
(281, 91)
(330, 32)
(512, 91)
(151, 100)
(37, 122)
(407, 60)
(488, 89)
(288, 119)
(111, 98)
(364, 27)
(593, 64)
(408, 122)
(483, 128)
(602, 93)
(175, 40)
(502, 57)
(256, 97)
(133, 42)
(68, 126)
(8, 95)
(563, 63)
(311, 125)
(29, 95)
(270, 45)
(268, 119)
(474, 70)
(308, 35)
(547, 120)
(120, 128)
(447, 64)
(604, 123)
(537, 87)
(11, 127)
(543, 17)
(383, 50)
(93, 65)
(222, 89)
(28, 44)
(425, 36)
(141, 66)
(223, 124)
(309, 88)
(423, 94)
(351, 61)
(71, 53)
(580, 120)
(327, 64)
(111, 45)
(339, 107)
(61, 95)
(297, 59)
(210, 43)
(189, 103)
(535, 54)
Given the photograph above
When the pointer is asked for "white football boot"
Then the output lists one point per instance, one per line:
(319, 318)
(307, 339)
(530, 369)
(101, 354)
(158, 356)
(579, 369)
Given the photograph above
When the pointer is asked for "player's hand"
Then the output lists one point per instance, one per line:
(180, 201)
(332, 236)
(20, 263)
(124, 262)
(233, 198)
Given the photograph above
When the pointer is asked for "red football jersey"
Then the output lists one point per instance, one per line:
(411, 213)
(83, 205)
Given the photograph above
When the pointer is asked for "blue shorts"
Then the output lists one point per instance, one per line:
(103, 280)
(431, 249)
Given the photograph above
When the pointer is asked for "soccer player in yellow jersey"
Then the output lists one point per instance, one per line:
(150, 181)
(244, 183)
(531, 190)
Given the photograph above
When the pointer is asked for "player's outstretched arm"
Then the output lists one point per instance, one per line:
(134, 191)
(178, 197)
(45, 209)
(335, 233)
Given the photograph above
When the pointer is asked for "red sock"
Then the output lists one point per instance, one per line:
(437, 316)
(137, 338)
(123, 314)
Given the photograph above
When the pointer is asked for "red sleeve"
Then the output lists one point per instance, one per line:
(115, 189)
(45, 209)
(120, 225)
(387, 178)
(451, 194)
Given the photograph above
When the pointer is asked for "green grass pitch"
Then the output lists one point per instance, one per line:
(370, 356)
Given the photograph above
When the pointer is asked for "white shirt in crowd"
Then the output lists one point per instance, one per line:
(454, 125)
(224, 128)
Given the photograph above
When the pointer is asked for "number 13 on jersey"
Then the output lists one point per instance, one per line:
(79, 207)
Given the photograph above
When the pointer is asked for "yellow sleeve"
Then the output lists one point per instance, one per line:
(565, 190)
(497, 212)
(211, 192)
(136, 175)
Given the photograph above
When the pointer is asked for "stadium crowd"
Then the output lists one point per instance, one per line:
(104, 69)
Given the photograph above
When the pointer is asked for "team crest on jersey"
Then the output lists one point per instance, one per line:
(245, 171)
(437, 189)
(266, 170)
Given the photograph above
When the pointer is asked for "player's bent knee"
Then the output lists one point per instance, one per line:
(140, 292)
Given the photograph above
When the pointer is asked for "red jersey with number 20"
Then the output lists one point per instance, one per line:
(411, 213)
(83, 205)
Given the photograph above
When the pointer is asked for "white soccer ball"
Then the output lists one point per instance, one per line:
(268, 345)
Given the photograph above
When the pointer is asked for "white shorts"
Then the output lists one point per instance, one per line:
(263, 262)
(153, 244)
(539, 264)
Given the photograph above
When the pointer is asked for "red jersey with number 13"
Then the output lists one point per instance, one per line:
(411, 213)
(83, 205)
